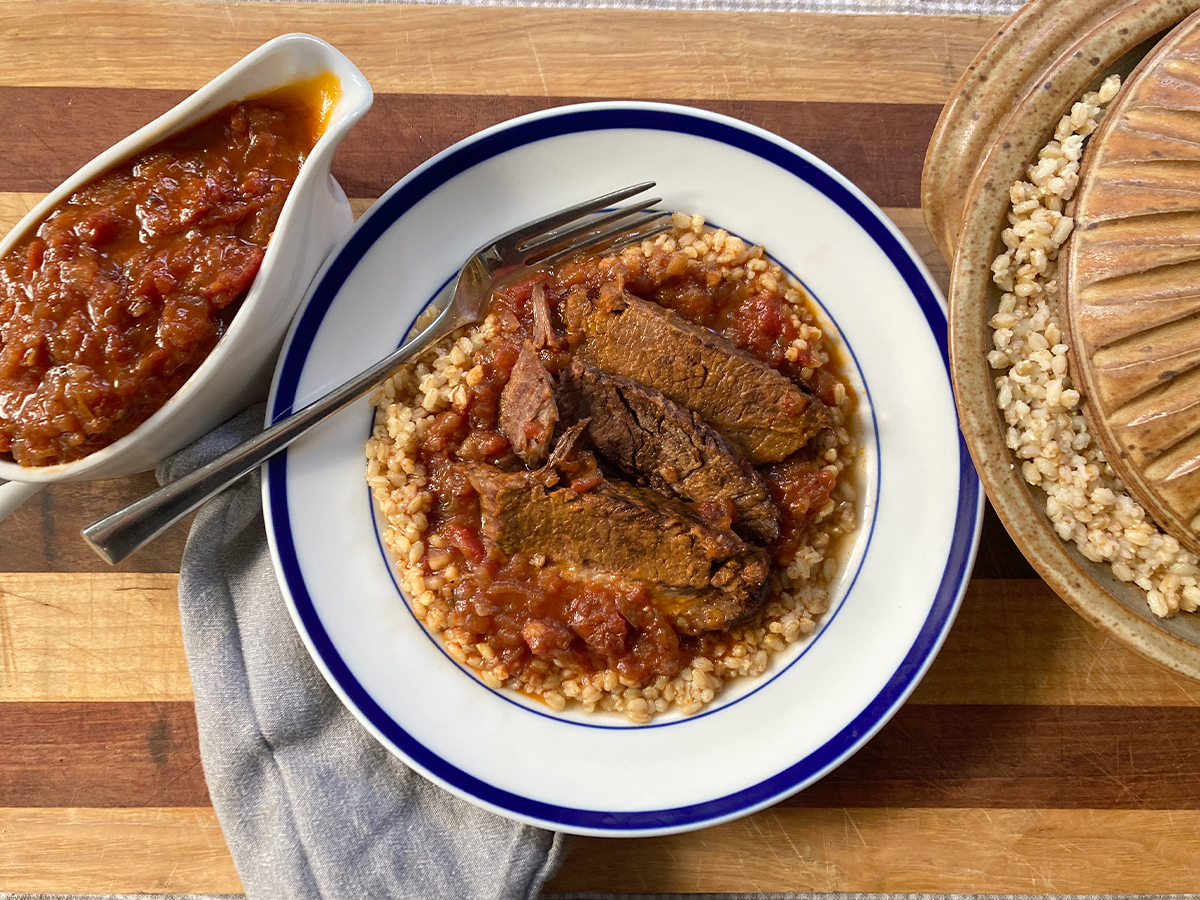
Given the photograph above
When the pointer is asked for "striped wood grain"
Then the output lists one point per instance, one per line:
(43, 534)
(91, 637)
(1027, 705)
(14, 205)
(498, 51)
(904, 850)
(115, 637)
(51, 132)
(100, 755)
(103, 851)
(983, 757)
(945, 850)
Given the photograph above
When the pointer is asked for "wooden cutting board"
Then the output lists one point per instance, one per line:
(1037, 756)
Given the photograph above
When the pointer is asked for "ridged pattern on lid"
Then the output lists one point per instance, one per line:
(1132, 284)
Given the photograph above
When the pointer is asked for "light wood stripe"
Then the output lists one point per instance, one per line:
(104, 636)
(102, 851)
(359, 205)
(115, 636)
(13, 206)
(1015, 642)
(975, 851)
(942, 850)
(543, 52)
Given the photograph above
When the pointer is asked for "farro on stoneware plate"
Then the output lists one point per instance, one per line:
(1039, 80)
(902, 573)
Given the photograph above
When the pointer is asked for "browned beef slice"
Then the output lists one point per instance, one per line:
(543, 328)
(759, 410)
(528, 412)
(643, 433)
(703, 577)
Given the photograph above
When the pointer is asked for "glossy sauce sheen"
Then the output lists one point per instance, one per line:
(128, 284)
(531, 614)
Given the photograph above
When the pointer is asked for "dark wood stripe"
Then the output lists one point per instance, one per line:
(1039, 757)
(50, 132)
(1032, 757)
(43, 535)
(998, 556)
(100, 754)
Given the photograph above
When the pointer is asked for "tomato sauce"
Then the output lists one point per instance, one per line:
(530, 613)
(526, 612)
(129, 283)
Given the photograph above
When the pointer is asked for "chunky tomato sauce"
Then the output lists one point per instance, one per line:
(522, 610)
(128, 284)
(529, 613)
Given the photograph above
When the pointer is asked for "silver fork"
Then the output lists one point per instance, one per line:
(543, 242)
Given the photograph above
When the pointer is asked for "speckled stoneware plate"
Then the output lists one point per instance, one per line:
(764, 738)
(1069, 47)
(1037, 62)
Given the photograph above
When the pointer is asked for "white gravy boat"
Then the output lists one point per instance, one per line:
(314, 219)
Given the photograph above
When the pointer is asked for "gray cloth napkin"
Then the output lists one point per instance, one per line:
(311, 805)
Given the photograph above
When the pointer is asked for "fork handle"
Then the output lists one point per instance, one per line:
(131, 528)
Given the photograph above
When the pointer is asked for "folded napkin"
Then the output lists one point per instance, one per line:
(311, 805)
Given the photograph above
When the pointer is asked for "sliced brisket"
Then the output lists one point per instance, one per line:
(643, 433)
(543, 328)
(528, 412)
(759, 410)
(702, 577)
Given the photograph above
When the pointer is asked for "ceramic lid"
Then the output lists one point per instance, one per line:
(1131, 285)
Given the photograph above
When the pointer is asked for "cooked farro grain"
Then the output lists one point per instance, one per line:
(443, 378)
(1085, 500)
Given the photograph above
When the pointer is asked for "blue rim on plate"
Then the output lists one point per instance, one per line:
(406, 194)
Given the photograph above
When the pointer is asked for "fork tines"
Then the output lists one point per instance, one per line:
(627, 226)
(588, 225)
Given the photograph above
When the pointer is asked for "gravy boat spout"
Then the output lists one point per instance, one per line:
(313, 220)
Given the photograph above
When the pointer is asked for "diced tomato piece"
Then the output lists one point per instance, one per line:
(800, 488)
(464, 540)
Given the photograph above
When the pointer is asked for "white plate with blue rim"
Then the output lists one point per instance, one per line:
(763, 738)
